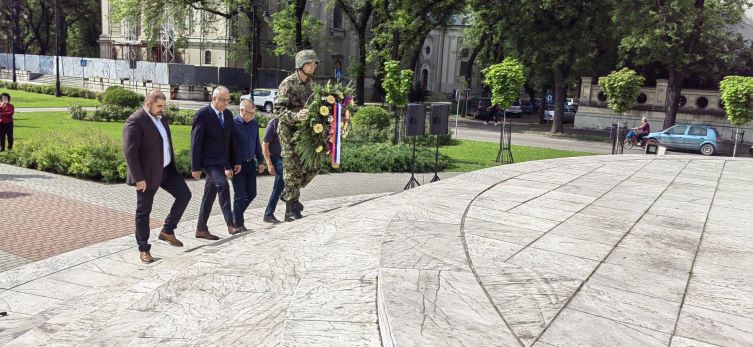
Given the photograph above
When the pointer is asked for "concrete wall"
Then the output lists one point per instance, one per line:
(590, 117)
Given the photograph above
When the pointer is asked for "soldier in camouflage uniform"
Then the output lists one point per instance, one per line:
(290, 107)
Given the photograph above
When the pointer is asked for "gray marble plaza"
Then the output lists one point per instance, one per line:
(626, 250)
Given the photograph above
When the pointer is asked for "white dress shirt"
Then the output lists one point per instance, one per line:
(165, 140)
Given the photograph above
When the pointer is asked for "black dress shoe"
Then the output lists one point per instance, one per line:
(271, 219)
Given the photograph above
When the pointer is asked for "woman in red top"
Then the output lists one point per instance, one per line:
(6, 121)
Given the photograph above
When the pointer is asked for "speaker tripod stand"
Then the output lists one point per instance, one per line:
(436, 161)
(413, 181)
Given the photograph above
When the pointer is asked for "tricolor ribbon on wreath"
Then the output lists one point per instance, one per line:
(336, 134)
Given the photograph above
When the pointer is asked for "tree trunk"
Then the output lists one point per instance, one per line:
(300, 7)
(469, 67)
(674, 91)
(542, 108)
(559, 98)
(362, 27)
(361, 70)
(377, 93)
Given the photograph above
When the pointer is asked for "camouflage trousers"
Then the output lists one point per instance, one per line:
(294, 176)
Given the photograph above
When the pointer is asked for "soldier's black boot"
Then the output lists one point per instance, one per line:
(297, 209)
(289, 212)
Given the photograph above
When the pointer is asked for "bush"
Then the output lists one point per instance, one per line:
(371, 124)
(77, 112)
(262, 119)
(111, 113)
(235, 98)
(119, 96)
(84, 153)
(384, 157)
(175, 115)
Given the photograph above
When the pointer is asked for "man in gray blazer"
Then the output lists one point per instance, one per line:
(148, 149)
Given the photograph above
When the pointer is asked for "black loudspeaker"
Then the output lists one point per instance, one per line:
(415, 120)
(440, 114)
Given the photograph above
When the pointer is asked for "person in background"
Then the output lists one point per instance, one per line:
(273, 156)
(248, 160)
(641, 131)
(6, 121)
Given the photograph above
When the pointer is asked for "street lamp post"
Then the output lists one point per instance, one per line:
(57, 50)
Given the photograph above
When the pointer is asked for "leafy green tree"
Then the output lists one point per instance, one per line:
(396, 85)
(293, 29)
(548, 37)
(79, 26)
(679, 34)
(358, 13)
(622, 88)
(737, 94)
(506, 80)
(400, 28)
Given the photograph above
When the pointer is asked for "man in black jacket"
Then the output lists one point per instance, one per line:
(148, 149)
(211, 145)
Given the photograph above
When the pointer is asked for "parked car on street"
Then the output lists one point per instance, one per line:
(567, 117)
(516, 110)
(526, 106)
(694, 137)
(263, 98)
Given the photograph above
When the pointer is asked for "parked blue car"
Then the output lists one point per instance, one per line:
(702, 138)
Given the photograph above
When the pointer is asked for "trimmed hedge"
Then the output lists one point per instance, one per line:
(385, 157)
(114, 113)
(83, 153)
(50, 90)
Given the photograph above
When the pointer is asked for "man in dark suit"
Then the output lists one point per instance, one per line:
(211, 146)
(148, 149)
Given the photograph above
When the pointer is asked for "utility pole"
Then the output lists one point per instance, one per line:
(58, 93)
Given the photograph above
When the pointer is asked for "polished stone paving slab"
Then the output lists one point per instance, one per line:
(626, 250)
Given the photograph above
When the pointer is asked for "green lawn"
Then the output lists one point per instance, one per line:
(22, 99)
(468, 155)
(475, 155)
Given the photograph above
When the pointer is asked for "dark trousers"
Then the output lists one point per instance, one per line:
(173, 183)
(277, 188)
(244, 186)
(216, 185)
(6, 129)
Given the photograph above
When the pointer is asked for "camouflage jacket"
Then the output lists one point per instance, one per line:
(292, 96)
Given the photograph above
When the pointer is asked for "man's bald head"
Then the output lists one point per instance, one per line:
(220, 98)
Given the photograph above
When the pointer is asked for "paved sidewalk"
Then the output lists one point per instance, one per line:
(46, 214)
(629, 250)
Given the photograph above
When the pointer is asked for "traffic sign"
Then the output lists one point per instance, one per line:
(83, 62)
(339, 73)
(550, 98)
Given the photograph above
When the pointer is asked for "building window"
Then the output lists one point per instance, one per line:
(208, 57)
(425, 78)
(337, 17)
(427, 50)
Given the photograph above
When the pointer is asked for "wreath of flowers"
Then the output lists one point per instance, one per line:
(313, 138)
